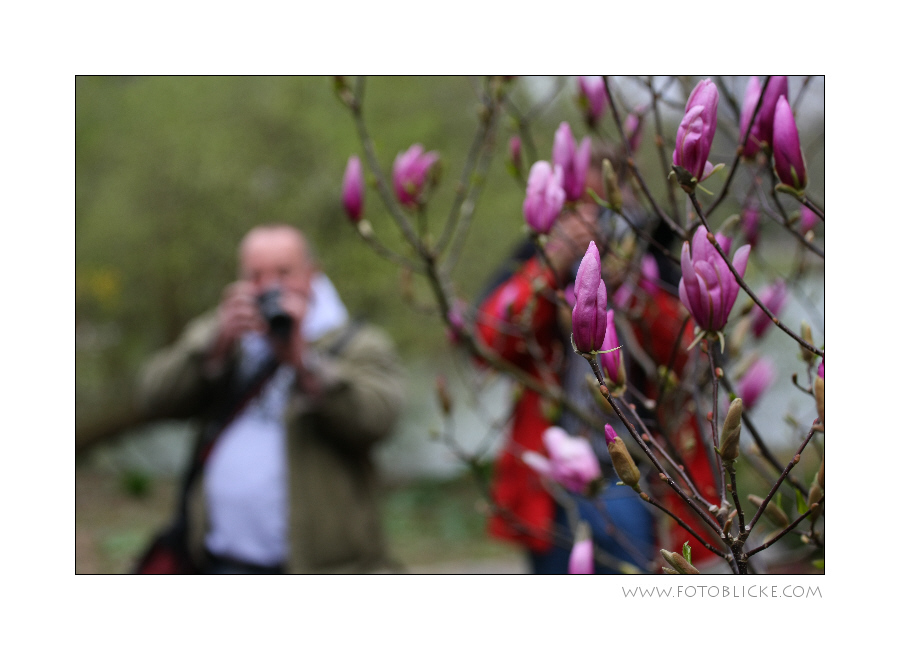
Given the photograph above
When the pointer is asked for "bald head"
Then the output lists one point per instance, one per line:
(276, 255)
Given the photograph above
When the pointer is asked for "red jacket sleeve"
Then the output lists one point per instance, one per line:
(519, 307)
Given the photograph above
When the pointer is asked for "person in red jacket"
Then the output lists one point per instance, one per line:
(524, 319)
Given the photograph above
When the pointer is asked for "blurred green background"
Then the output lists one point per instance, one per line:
(172, 171)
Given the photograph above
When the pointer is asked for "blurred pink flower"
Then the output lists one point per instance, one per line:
(515, 152)
(544, 196)
(773, 297)
(756, 381)
(808, 219)
(634, 127)
(571, 463)
(353, 189)
(750, 224)
(581, 560)
(573, 159)
(411, 168)
(592, 90)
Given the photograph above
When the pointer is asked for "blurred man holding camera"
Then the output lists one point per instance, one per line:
(292, 396)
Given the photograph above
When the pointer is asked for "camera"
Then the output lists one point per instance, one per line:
(280, 322)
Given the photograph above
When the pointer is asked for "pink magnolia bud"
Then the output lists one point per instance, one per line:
(613, 363)
(353, 189)
(411, 168)
(694, 138)
(592, 92)
(610, 433)
(515, 152)
(634, 124)
(789, 164)
(808, 219)
(761, 131)
(573, 159)
(756, 381)
(773, 297)
(581, 561)
(589, 314)
(707, 287)
(751, 98)
(457, 321)
(750, 224)
(571, 462)
(544, 196)
(649, 281)
(821, 372)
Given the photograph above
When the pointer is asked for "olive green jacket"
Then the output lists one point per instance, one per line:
(334, 520)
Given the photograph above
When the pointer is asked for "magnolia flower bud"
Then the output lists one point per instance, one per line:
(808, 220)
(773, 297)
(761, 131)
(410, 171)
(807, 335)
(815, 495)
(756, 381)
(515, 153)
(573, 159)
(820, 475)
(611, 186)
(443, 395)
(707, 287)
(589, 314)
(544, 196)
(581, 561)
(819, 392)
(353, 189)
(613, 363)
(731, 431)
(677, 561)
(775, 514)
(693, 140)
(592, 96)
(622, 461)
(789, 163)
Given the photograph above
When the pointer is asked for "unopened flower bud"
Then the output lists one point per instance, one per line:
(622, 462)
(677, 561)
(820, 475)
(790, 166)
(353, 189)
(611, 186)
(819, 392)
(443, 395)
(815, 495)
(807, 335)
(731, 431)
(775, 514)
(515, 154)
(581, 560)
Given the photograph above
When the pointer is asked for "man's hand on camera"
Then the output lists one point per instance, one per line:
(237, 314)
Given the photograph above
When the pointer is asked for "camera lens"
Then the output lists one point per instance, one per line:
(280, 322)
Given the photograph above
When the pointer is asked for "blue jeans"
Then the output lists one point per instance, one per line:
(621, 526)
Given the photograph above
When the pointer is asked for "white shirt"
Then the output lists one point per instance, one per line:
(246, 481)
